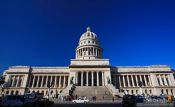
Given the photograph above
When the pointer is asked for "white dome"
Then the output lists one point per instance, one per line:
(88, 47)
(88, 38)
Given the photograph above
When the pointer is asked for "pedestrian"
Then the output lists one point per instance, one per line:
(113, 99)
(76, 96)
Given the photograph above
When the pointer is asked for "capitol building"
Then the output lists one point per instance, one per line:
(91, 74)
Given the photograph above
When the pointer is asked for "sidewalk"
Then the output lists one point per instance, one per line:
(91, 102)
(155, 105)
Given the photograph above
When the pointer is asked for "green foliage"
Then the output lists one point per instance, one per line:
(2, 80)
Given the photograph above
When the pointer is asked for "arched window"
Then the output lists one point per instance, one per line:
(167, 91)
(51, 92)
(132, 91)
(12, 92)
(42, 92)
(171, 91)
(146, 92)
(16, 93)
(162, 91)
(136, 91)
(7, 92)
(150, 91)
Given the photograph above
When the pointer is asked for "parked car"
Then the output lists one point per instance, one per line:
(81, 100)
(32, 97)
(139, 99)
(129, 101)
(13, 100)
(0, 100)
(44, 102)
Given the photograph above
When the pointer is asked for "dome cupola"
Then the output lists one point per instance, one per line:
(88, 47)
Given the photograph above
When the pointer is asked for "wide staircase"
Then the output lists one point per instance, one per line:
(101, 92)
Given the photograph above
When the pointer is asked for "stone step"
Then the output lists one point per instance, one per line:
(101, 92)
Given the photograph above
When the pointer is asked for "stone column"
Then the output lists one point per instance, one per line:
(46, 81)
(81, 78)
(12, 77)
(42, 81)
(60, 81)
(165, 80)
(51, 78)
(149, 80)
(172, 79)
(137, 80)
(17, 80)
(102, 73)
(92, 78)
(119, 80)
(145, 80)
(169, 80)
(38, 81)
(34, 77)
(76, 77)
(64, 81)
(133, 83)
(160, 79)
(97, 51)
(97, 78)
(141, 78)
(87, 80)
(93, 51)
(128, 80)
(124, 81)
(55, 83)
(23, 81)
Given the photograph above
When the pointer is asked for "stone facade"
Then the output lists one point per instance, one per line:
(90, 69)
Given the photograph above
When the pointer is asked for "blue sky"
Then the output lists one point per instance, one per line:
(46, 32)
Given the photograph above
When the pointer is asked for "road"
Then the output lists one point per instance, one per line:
(110, 104)
(89, 105)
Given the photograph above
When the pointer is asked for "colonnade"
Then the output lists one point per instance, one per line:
(132, 80)
(40, 81)
(88, 51)
(163, 80)
(15, 80)
(126, 80)
(90, 78)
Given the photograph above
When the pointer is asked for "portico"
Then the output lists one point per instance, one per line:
(90, 78)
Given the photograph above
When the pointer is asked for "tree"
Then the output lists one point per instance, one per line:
(2, 80)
